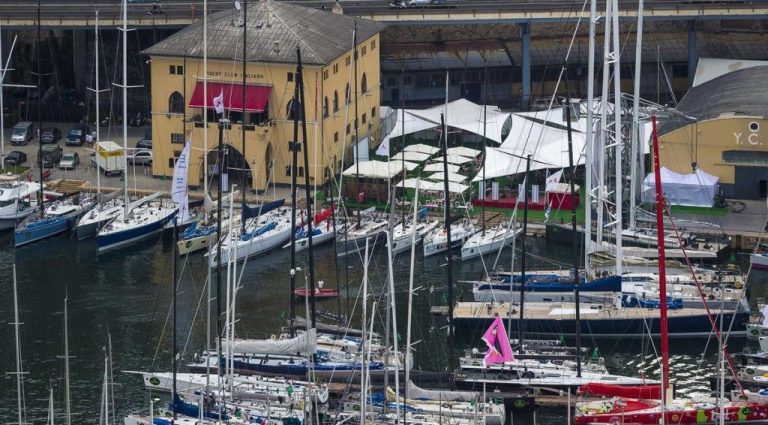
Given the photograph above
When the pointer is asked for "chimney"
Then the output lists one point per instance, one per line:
(276, 48)
(337, 9)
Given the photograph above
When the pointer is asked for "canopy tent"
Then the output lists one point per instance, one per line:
(461, 114)
(501, 162)
(430, 186)
(461, 150)
(422, 148)
(697, 189)
(374, 169)
(411, 156)
(410, 166)
(458, 159)
(452, 177)
(438, 167)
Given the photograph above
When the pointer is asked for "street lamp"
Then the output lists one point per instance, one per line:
(152, 401)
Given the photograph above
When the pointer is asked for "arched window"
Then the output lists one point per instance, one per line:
(325, 107)
(364, 84)
(293, 110)
(176, 103)
(335, 101)
(347, 95)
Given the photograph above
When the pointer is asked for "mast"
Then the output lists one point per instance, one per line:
(308, 194)
(294, 170)
(242, 126)
(526, 183)
(21, 415)
(576, 256)
(175, 288)
(402, 142)
(634, 158)
(485, 126)
(447, 215)
(603, 126)
(410, 300)
(354, 135)
(220, 158)
(618, 136)
(2, 104)
(39, 114)
(662, 266)
(364, 334)
(589, 148)
(67, 400)
(125, 110)
(98, 119)
(205, 111)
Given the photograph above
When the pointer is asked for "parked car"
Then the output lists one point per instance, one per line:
(144, 144)
(76, 135)
(15, 158)
(51, 155)
(140, 157)
(22, 133)
(50, 135)
(69, 160)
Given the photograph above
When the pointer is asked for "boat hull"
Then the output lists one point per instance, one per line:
(347, 246)
(51, 227)
(326, 236)
(759, 261)
(114, 240)
(193, 244)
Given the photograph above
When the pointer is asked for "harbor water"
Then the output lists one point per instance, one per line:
(122, 300)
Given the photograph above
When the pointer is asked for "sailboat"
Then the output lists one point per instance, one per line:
(141, 219)
(403, 232)
(107, 207)
(196, 236)
(16, 202)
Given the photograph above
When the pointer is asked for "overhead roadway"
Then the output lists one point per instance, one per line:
(64, 14)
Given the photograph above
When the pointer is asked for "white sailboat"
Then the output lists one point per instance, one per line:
(263, 233)
(489, 240)
(402, 234)
(437, 241)
(16, 202)
(142, 218)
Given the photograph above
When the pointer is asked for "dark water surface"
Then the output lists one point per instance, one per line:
(127, 294)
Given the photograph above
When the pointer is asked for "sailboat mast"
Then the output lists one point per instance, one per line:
(175, 288)
(308, 194)
(662, 263)
(634, 158)
(523, 236)
(485, 127)
(205, 109)
(356, 147)
(2, 104)
(125, 110)
(402, 143)
(242, 126)
(410, 300)
(97, 91)
(220, 166)
(601, 195)
(447, 217)
(364, 392)
(294, 167)
(576, 256)
(19, 374)
(67, 400)
(590, 142)
(618, 136)
(39, 113)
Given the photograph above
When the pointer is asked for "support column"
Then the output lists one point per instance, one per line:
(693, 56)
(525, 38)
(79, 59)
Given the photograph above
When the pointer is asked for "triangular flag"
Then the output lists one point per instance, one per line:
(218, 103)
(383, 149)
(497, 335)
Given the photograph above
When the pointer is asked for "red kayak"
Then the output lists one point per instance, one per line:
(319, 292)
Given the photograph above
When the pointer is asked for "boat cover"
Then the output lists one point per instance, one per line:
(263, 209)
(305, 343)
(628, 391)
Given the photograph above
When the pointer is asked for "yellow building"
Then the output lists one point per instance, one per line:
(729, 138)
(274, 31)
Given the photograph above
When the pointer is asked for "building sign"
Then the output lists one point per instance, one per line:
(231, 74)
(751, 138)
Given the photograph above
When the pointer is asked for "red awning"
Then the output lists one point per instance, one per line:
(256, 96)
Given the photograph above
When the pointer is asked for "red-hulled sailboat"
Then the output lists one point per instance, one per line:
(653, 404)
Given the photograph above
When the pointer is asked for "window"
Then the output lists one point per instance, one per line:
(301, 171)
(177, 138)
(363, 52)
(756, 158)
(336, 137)
(325, 74)
(346, 95)
(287, 170)
(363, 119)
(335, 68)
(290, 77)
(291, 145)
(335, 101)
(348, 128)
(325, 107)
(364, 84)
(348, 60)
(422, 80)
(176, 70)
(172, 69)
(171, 162)
(373, 44)
(373, 112)
(176, 103)
(293, 110)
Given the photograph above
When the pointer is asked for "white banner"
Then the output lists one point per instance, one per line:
(179, 183)
(535, 194)
(495, 191)
(553, 180)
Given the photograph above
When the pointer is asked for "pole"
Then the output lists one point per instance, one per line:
(447, 216)
(363, 402)
(410, 301)
(354, 135)
(220, 168)
(175, 288)
(590, 142)
(618, 136)
(97, 92)
(125, 111)
(242, 126)
(526, 183)
(603, 126)
(205, 115)
(294, 170)
(485, 125)
(19, 373)
(310, 217)
(39, 114)
(402, 143)
(2, 104)
(576, 245)
(634, 158)
(662, 267)
(67, 399)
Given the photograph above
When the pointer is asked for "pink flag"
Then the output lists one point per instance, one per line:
(499, 350)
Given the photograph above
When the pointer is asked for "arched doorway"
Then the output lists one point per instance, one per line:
(234, 166)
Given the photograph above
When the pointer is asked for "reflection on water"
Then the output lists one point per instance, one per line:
(126, 295)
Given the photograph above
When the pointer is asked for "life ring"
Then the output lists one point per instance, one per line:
(738, 284)
(675, 417)
(746, 411)
(188, 244)
(754, 332)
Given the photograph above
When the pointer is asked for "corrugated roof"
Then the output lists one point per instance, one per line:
(274, 30)
(742, 92)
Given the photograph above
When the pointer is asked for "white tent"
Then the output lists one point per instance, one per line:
(458, 159)
(438, 167)
(697, 189)
(461, 150)
(375, 169)
(429, 186)
(411, 156)
(452, 177)
(422, 148)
